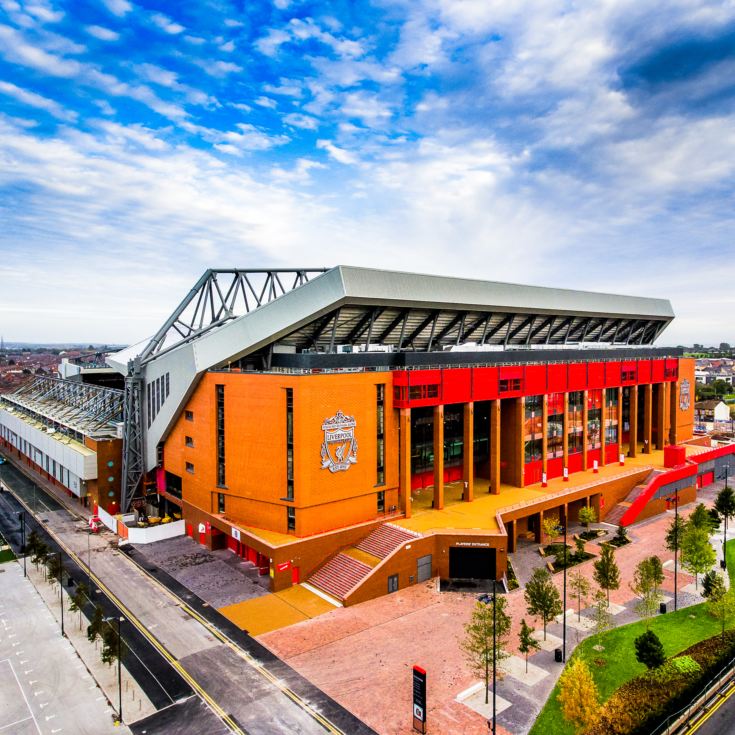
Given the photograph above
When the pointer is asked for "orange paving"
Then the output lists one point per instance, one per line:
(278, 610)
(479, 515)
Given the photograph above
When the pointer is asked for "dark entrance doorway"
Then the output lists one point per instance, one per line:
(471, 563)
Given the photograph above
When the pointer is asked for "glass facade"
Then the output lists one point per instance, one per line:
(576, 418)
(594, 419)
(380, 409)
(422, 438)
(220, 435)
(533, 428)
(611, 416)
(555, 426)
(289, 443)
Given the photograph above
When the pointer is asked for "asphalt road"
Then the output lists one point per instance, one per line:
(249, 688)
(721, 721)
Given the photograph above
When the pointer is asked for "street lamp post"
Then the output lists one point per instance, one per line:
(61, 593)
(89, 559)
(495, 645)
(564, 611)
(676, 549)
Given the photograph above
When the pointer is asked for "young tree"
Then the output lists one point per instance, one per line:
(587, 515)
(674, 533)
(700, 518)
(113, 647)
(40, 554)
(32, 544)
(697, 554)
(649, 650)
(94, 629)
(542, 597)
(606, 572)
(621, 535)
(656, 570)
(478, 641)
(77, 600)
(550, 527)
(645, 585)
(712, 584)
(579, 543)
(580, 587)
(725, 506)
(578, 695)
(721, 605)
(602, 617)
(53, 568)
(526, 642)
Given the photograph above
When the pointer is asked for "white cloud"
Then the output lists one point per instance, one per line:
(36, 100)
(271, 43)
(265, 102)
(44, 12)
(104, 34)
(227, 47)
(366, 107)
(118, 7)
(166, 24)
(286, 87)
(298, 120)
(338, 154)
(15, 48)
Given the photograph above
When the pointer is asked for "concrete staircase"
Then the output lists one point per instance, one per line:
(384, 540)
(339, 575)
(618, 511)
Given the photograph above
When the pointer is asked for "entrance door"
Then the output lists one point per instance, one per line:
(393, 583)
(471, 563)
(424, 568)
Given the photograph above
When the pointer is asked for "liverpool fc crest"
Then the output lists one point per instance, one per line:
(339, 448)
(684, 396)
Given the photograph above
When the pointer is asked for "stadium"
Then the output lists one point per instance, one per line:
(359, 431)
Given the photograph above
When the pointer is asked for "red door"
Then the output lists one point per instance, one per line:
(295, 575)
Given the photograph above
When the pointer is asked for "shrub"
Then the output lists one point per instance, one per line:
(649, 650)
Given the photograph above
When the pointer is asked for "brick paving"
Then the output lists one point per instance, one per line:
(362, 655)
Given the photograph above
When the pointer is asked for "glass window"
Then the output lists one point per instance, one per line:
(555, 426)
(220, 502)
(190, 468)
(594, 419)
(611, 416)
(189, 415)
(576, 416)
(291, 518)
(220, 392)
(533, 428)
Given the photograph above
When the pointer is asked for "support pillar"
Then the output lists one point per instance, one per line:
(660, 416)
(673, 416)
(666, 431)
(495, 446)
(404, 460)
(565, 438)
(633, 415)
(603, 426)
(540, 529)
(518, 467)
(620, 421)
(510, 528)
(544, 433)
(585, 437)
(647, 418)
(438, 457)
(468, 451)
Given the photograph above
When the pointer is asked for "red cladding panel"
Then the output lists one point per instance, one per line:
(575, 462)
(532, 472)
(611, 453)
(484, 384)
(612, 374)
(535, 383)
(511, 371)
(672, 369)
(557, 378)
(630, 372)
(457, 385)
(400, 377)
(644, 371)
(554, 467)
(577, 376)
(425, 377)
(657, 371)
(596, 375)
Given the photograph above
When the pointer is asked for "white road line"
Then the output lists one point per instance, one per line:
(12, 724)
(33, 717)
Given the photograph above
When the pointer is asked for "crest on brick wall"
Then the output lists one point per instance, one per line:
(684, 395)
(339, 448)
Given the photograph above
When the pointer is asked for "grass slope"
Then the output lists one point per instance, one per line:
(617, 663)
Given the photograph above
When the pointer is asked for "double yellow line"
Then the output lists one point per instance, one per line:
(730, 692)
(216, 708)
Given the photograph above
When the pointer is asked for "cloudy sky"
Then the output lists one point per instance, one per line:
(584, 145)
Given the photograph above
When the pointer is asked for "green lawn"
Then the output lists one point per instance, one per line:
(7, 554)
(617, 664)
(730, 555)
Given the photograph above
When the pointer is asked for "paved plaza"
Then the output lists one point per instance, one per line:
(45, 688)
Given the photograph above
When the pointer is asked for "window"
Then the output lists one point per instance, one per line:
(594, 419)
(532, 428)
(611, 416)
(220, 393)
(220, 502)
(289, 444)
(380, 411)
(381, 501)
(189, 441)
(190, 468)
(576, 416)
(291, 518)
(628, 374)
(189, 415)
(509, 384)
(422, 392)
(167, 386)
(555, 426)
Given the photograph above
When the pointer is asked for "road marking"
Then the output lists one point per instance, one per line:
(712, 711)
(25, 699)
(17, 722)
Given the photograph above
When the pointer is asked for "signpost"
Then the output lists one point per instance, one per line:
(419, 699)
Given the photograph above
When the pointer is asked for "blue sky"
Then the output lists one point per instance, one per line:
(581, 145)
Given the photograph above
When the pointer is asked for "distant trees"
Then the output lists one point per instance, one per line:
(542, 597)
